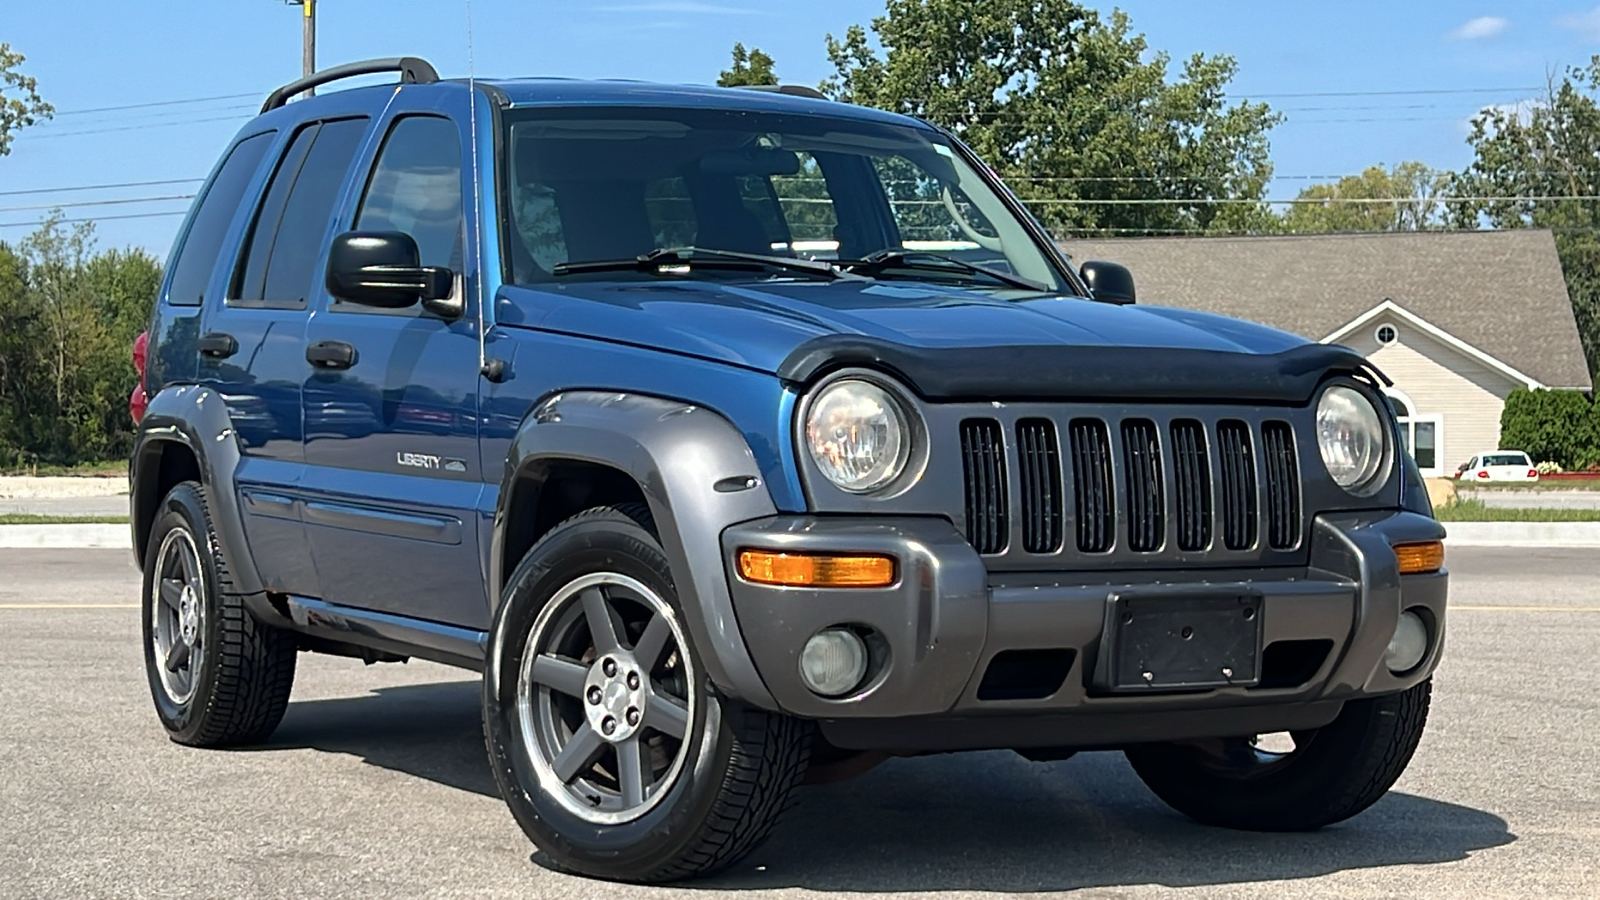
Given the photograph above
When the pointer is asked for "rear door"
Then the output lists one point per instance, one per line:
(253, 342)
(393, 476)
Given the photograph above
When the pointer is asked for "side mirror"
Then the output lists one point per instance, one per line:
(1108, 282)
(383, 269)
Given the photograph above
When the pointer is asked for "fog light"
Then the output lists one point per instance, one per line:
(833, 662)
(1409, 644)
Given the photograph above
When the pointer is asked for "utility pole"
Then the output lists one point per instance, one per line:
(308, 53)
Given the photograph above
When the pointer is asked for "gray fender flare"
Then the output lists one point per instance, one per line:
(697, 475)
(196, 417)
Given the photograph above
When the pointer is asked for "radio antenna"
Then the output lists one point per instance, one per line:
(477, 202)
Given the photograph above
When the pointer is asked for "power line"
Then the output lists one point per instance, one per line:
(83, 203)
(154, 215)
(106, 109)
(101, 187)
(62, 134)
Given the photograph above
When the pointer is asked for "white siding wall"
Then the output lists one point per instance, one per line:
(1441, 380)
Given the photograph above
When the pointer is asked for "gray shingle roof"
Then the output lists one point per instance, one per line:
(1500, 291)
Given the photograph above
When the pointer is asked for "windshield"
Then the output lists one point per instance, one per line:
(598, 185)
(1505, 459)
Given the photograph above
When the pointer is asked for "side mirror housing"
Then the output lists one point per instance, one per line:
(383, 269)
(1108, 282)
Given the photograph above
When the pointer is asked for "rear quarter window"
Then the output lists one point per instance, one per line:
(196, 257)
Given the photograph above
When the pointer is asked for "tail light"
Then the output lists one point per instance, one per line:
(137, 401)
(1533, 473)
(1483, 473)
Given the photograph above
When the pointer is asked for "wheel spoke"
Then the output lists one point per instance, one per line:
(667, 714)
(648, 650)
(559, 675)
(633, 770)
(602, 629)
(177, 655)
(172, 593)
(191, 566)
(579, 754)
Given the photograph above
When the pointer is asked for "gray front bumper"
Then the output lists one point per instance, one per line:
(948, 617)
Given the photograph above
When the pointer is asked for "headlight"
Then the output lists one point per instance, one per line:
(857, 435)
(1350, 436)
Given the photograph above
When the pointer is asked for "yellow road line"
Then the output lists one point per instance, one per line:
(1464, 608)
(69, 606)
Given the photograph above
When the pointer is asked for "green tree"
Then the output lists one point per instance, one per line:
(1536, 166)
(1409, 198)
(749, 67)
(1072, 110)
(1552, 426)
(20, 104)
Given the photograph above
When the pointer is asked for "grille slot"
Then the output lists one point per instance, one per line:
(1283, 485)
(1141, 460)
(1039, 457)
(983, 459)
(1238, 466)
(1191, 485)
(1094, 502)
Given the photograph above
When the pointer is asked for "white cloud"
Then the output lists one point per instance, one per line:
(1586, 24)
(1480, 29)
(681, 7)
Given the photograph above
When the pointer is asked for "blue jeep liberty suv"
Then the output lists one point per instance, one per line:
(742, 438)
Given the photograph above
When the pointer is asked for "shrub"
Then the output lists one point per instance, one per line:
(1562, 427)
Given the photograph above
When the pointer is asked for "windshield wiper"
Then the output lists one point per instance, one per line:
(884, 260)
(666, 258)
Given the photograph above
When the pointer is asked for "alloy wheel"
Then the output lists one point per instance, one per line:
(178, 615)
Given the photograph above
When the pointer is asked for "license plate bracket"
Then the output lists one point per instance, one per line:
(1156, 642)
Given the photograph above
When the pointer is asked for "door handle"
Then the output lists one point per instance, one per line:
(331, 355)
(217, 345)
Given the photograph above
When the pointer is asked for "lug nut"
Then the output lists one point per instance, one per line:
(633, 715)
(609, 667)
(595, 696)
(633, 681)
(609, 725)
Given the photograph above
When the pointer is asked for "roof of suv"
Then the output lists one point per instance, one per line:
(524, 92)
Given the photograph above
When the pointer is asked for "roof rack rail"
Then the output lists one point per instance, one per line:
(412, 71)
(793, 90)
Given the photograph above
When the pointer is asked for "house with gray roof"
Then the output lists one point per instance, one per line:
(1457, 319)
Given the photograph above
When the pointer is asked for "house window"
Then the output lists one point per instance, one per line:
(1386, 335)
(1420, 435)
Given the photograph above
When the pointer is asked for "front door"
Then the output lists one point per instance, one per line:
(392, 471)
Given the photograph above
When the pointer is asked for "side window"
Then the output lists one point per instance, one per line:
(197, 255)
(807, 209)
(278, 269)
(416, 189)
(925, 209)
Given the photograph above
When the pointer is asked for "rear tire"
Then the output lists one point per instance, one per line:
(1333, 772)
(590, 607)
(218, 677)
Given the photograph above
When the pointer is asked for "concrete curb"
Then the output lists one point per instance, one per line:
(1523, 534)
(73, 537)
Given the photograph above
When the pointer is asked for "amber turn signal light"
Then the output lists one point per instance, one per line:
(1418, 559)
(815, 569)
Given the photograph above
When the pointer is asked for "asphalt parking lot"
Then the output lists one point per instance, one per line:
(375, 785)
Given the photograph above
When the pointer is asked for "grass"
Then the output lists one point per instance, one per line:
(1476, 511)
(1586, 485)
(81, 470)
(35, 519)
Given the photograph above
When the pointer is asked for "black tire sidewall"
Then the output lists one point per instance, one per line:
(183, 508)
(630, 850)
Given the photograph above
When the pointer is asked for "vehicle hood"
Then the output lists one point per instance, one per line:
(761, 326)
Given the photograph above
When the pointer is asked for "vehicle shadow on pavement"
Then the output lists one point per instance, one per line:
(977, 821)
(432, 731)
(996, 822)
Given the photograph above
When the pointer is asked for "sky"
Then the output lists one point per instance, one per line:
(1360, 82)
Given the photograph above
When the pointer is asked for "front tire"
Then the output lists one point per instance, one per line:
(610, 746)
(1331, 774)
(218, 677)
